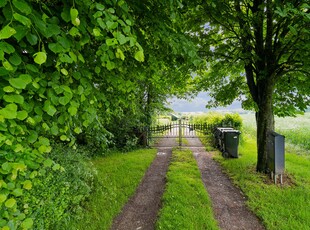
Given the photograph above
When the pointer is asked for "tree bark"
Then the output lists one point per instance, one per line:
(264, 122)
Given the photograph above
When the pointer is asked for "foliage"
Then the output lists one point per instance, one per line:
(215, 118)
(70, 69)
(279, 207)
(112, 189)
(186, 204)
(59, 188)
(258, 53)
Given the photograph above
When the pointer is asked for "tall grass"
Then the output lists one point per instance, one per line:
(295, 129)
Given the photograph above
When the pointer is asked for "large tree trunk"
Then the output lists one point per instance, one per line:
(264, 122)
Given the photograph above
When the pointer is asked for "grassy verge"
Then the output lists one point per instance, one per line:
(118, 176)
(186, 204)
(280, 207)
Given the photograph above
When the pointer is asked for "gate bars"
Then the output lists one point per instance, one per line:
(180, 129)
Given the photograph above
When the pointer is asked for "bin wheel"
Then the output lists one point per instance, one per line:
(225, 154)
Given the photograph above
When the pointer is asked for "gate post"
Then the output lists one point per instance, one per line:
(180, 132)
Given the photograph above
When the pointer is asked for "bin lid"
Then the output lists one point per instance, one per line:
(231, 131)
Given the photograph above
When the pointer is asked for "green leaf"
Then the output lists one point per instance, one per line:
(74, 17)
(54, 130)
(111, 41)
(52, 30)
(67, 59)
(32, 68)
(74, 32)
(97, 32)
(7, 32)
(120, 54)
(17, 192)
(22, 19)
(15, 59)
(64, 100)
(7, 65)
(22, 6)
(2, 198)
(8, 89)
(27, 224)
(33, 136)
(55, 47)
(9, 111)
(64, 71)
(21, 32)
(22, 115)
(40, 57)
(21, 82)
(77, 130)
(7, 48)
(121, 38)
(32, 39)
(56, 167)
(65, 14)
(10, 203)
(97, 70)
(73, 13)
(27, 185)
(81, 58)
(48, 163)
(14, 98)
(63, 137)
(112, 25)
(3, 3)
(50, 109)
(139, 56)
(44, 141)
(110, 65)
(99, 6)
(72, 110)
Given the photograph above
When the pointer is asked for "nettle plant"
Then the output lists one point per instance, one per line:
(52, 55)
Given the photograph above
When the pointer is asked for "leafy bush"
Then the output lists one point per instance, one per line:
(215, 118)
(59, 188)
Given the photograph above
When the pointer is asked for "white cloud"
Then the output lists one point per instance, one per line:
(198, 104)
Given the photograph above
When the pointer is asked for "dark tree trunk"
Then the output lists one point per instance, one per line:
(264, 122)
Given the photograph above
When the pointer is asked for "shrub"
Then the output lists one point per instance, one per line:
(215, 118)
(59, 188)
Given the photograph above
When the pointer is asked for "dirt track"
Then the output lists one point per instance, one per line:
(228, 202)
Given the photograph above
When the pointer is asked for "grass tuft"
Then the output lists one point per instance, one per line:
(186, 204)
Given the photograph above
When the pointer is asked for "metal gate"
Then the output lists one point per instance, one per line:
(179, 129)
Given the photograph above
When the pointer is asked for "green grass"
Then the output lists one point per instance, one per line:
(118, 177)
(186, 204)
(280, 207)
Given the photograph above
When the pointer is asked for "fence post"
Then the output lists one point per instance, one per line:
(180, 132)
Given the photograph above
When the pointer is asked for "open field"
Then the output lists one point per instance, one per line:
(295, 129)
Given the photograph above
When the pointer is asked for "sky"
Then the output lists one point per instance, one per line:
(198, 104)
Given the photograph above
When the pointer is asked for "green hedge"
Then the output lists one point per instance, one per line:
(215, 118)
